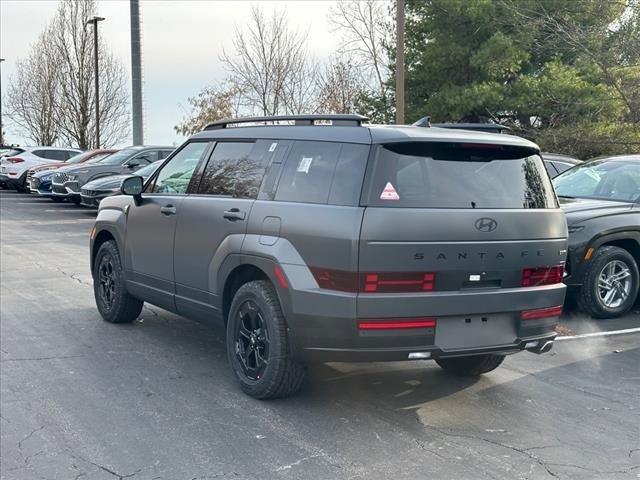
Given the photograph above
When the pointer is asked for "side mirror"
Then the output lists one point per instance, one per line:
(132, 186)
(133, 164)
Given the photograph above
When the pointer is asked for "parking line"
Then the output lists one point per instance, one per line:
(599, 334)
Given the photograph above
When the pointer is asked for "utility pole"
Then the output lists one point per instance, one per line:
(1, 124)
(95, 21)
(136, 73)
(400, 62)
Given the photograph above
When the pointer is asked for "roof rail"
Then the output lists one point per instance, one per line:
(336, 119)
(480, 127)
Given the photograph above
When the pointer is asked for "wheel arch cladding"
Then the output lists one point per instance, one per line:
(239, 276)
(630, 244)
(101, 237)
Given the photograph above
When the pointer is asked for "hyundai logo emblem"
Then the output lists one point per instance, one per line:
(486, 224)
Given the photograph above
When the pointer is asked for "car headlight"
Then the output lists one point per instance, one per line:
(576, 228)
(72, 178)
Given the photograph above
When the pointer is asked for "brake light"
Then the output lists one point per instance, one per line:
(542, 313)
(396, 323)
(397, 282)
(534, 277)
(14, 160)
(370, 282)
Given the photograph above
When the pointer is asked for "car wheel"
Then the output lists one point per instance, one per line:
(258, 345)
(471, 366)
(113, 302)
(610, 283)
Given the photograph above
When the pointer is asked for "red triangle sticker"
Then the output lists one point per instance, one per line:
(389, 193)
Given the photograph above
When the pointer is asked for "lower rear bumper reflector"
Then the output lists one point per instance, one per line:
(542, 313)
(396, 323)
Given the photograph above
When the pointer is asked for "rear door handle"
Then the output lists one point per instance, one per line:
(168, 210)
(234, 214)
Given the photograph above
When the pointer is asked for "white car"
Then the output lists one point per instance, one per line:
(13, 169)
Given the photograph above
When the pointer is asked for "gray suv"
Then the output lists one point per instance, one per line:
(329, 240)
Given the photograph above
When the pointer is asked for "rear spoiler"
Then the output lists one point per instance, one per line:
(478, 127)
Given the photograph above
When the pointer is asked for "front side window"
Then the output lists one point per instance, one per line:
(609, 180)
(175, 175)
(447, 175)
(233, 171)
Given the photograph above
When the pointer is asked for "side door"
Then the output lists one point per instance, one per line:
(151, 227)
(213, 221)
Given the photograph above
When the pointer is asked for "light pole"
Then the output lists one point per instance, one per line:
(400, 62)
(95, 21)
(1, 124)
(136, 73)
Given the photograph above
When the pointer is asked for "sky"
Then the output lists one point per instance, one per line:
(181, 44)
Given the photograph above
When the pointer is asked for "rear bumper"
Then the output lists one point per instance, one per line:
(324, 324)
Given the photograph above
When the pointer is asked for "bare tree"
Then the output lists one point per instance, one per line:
(73, 42)
(211, 104)
(269, 61)
(340, 86)
(33, 91)
(366, 27)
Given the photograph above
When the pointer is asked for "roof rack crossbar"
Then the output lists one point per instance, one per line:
(336, 119)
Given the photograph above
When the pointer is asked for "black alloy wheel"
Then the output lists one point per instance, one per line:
(252, 340)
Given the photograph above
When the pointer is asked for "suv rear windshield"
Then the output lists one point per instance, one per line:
(452, 175)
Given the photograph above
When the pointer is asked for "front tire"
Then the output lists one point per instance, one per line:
(471, 366)
(258, 344)
(113, 302)
(610, 283)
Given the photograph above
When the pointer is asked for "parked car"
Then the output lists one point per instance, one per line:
(68, 183)
(13, 170)
(451, 247)
(93, 192)
(557, 163)
(90, 155)
(601, 199)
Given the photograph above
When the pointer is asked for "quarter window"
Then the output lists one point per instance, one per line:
(175, 176)
(308, 172)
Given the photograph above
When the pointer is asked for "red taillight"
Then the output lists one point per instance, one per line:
(533, 277)
(339, 280)
(14, 160)
(370, 282)
(542, 313)
(397, 282)
(396, 323)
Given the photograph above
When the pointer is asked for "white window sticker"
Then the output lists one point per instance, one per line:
(273, 147)
(305, 163)
(389, 193)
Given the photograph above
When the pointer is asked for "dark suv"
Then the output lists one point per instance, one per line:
(313, 242)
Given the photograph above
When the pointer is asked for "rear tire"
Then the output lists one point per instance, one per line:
(113, 302)
(592, 296)
(258, 345)
(471, 366)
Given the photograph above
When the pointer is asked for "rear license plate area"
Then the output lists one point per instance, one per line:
(475, 331)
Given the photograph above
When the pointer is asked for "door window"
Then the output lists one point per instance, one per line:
(174, 177)
(234, 170)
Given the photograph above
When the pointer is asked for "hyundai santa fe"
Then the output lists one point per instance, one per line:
(320, 238)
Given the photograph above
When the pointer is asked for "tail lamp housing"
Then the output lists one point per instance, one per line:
(538, 276)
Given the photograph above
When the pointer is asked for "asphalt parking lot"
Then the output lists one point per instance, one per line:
(83, 399)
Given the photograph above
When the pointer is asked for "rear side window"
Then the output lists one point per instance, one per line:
(57, 154)
(323, 172)
(447, 175)
(232, 171)
(40, 153)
